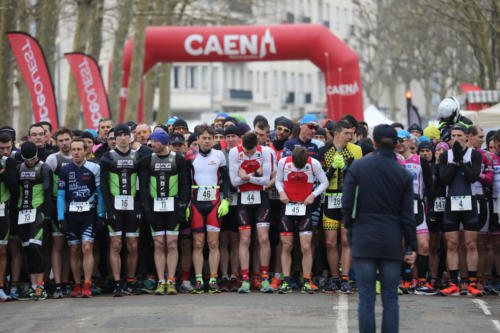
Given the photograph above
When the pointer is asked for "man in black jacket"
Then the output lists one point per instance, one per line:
(377, 207)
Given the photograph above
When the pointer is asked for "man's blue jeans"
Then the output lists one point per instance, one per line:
(366, 275)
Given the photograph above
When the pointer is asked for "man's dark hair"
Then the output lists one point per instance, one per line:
(474, 130)
(200, 129)
(300, 157)
(387, 143)
(496, 136)
(459, 127)
(111, 130)
(351, 120)
(340, 125)
(264, 126)
(230, 119)
(366, 145)
(394, 125)
(249, 141)
(46, 123)
(35, 125)
(80, 140)
(361, 130)
(63, 130)
(362, 123)
(5, 137)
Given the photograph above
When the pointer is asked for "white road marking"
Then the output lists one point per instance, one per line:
(483, 305)
(341, 309)
(496, 323)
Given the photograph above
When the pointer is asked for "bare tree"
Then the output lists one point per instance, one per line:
(95, 34)
(8, 22)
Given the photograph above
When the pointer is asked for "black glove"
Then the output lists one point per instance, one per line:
(457, 152)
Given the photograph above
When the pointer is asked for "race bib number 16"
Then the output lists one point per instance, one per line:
(124, 202)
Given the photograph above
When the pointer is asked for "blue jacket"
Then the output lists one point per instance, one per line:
(383, 209)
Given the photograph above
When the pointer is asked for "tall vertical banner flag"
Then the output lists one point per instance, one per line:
(90, 88)
(33, 67)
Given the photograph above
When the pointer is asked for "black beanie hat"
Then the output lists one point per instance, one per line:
(231, 129)
(28, 150)
(121, 129)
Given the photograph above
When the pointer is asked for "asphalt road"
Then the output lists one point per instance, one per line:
(254, 312)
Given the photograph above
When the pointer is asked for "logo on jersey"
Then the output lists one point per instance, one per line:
(28, 174)
(125, 163)
(212, 163)
(163, 166)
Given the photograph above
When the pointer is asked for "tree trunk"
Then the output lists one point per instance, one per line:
(7, 62)
(25, 105)
(125, 17)
(136, 67)
(48, 31)
(73, 114)
(164, 91)
(95, 35)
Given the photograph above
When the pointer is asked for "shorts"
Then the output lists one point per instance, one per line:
(126, 221)
(275, 221)
(435, 222)
(258, 214)
(79, 227)
(185, 233)
(469, 219)
(4, 229)
(230, 221)
(31, 233)
(204, 215)
(420, 218)
(164, 223)
(332, 218)
(484, 215)
(289, 224)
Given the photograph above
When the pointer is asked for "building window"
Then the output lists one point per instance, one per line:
(204, 77)
(275, 83)
(264, 84)
(258, 82)
(250, 80)
(319, 7)
(300, 89)
(284, 90)
(215, 79)
(241, 81)
(337, 18)
(191, 78)
(174, 77)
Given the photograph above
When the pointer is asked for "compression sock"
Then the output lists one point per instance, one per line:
(422, 266)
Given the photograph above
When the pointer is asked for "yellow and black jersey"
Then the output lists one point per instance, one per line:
(326, 154)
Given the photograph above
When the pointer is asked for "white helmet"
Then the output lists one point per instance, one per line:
(449, 107)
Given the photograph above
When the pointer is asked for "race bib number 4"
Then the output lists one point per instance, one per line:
(26, 216)
(206, 194)
(164, 204)
(250, 198)
(295, 209)
(440, 204)
(124, 202)
(79, 207)
(334, 201)
(461, 203)
(2, 209)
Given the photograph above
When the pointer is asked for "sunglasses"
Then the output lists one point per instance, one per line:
(283, 129)
(312, 126)
(402, 139)
(180, 129)
(142, 132)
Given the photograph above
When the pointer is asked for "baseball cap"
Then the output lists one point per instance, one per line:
(171, 120)
(384, 131)
(403, 134)
(309, 118)
(177, 139)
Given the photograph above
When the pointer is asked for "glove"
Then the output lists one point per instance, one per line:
(338, 162)
(457, 152)
(223, 208)
(188, 213)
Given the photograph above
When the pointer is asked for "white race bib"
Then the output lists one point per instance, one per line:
(124, 202)
(233, 199)
(250, 198)
(295, 209)
(461, 203)
(26, 216)
(440, 204)
(415, 206)
(164, 204)
(79, 207)
(2, 209)
(334, 201)
(206, 194)
(273, 194)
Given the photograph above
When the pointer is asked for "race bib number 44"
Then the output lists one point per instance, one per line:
(206, 194)
(295, 209)
(26, 216)
(461, 203)
(79, 206)
(164, 204)
(250, 198)
(124, 202)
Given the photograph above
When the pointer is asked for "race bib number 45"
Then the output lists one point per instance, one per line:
(295, 209)
(206, 194)
(250, 198)
(26, 216)
(124, 202)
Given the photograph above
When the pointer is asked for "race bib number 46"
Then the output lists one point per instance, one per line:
(206, 194)
(79, 207)
(461, 203)
(26, 216)
(124, 202)
(295, 209)
(164, 204)
(250, 198)
(334, 201)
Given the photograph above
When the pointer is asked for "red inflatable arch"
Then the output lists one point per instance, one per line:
(257, 43)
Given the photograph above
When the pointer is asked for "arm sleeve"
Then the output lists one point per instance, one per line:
(106, 194)
(408, 224)
(61, 203)
(184, 183)
(234, 167)
(446, 171)
(266, 170)
(51, 161)
(48, 206)
(427, 175)
(472, 170)
(320, 175)
(348, 195)
(144, 182)
(100, 202)
(280, 176)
